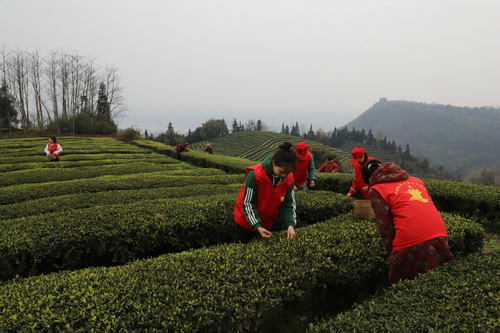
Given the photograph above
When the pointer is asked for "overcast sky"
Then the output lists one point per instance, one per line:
(316, 62)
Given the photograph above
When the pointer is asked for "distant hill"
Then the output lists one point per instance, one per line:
(444, 134)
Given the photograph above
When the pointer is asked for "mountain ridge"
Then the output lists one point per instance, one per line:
(447, 135)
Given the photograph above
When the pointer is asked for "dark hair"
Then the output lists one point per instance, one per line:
(329, 158)
(285, 156)
(53, 138)
(369, 168)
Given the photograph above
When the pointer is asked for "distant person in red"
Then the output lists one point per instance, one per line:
(304, 169)
(359, 159)
(330, 166)
(181, 148)
(53, 149)
(209, 149)
(412, 230)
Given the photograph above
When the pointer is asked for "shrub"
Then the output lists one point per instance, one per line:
(224, 288)
(461, 296)
(121, 233)
(18, 193)
(62, 174)
(129, 134)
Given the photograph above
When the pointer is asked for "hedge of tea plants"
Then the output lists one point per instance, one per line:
(172, 187)
(153, 159)
(461, 296)
(116, 234)
(198, 158)
(224, 288)
(46, 175)
(189, 175)
(81, 157)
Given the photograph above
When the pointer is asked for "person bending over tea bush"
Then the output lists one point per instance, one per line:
(412, 230)
(268, 187)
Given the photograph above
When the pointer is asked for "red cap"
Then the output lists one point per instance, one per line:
(301, 150)
(357, 153)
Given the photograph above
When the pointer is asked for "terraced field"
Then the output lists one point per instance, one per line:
(146, 243)
(253, 145)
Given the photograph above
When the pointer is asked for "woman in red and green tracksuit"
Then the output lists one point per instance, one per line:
(268, 187)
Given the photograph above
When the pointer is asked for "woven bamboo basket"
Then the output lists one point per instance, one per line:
(363, 210)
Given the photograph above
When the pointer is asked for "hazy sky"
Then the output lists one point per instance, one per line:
(316, 62)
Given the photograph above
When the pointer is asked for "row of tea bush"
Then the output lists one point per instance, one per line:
(224, 288)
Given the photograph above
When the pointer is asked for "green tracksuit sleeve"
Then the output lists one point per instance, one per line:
(311, 173)
(250, 201)
(288, 207)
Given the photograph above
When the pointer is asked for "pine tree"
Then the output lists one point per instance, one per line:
(287, 130)
(8, 113)
(259, 125)
(102, 106)
(235, 126)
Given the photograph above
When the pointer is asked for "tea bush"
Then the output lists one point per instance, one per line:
(187, 176)
(461, 296)
(121, 233)
(229, 288)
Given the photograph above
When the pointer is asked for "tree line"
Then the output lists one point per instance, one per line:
(60, 93)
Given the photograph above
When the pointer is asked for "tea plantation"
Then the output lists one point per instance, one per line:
(125, 237)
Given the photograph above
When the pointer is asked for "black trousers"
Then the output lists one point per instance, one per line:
(245, 235)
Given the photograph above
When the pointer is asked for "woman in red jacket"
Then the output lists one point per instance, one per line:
(53, 149)
(330, 166)
(412, 230)
(268, 187)
(359, 159)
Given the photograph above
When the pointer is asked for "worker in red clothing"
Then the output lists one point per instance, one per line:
(53, 149)
(359, 159)
(209, 149)
(181, 148)
(330, 166)
(304, 169)
(268, 187)
(412, 230)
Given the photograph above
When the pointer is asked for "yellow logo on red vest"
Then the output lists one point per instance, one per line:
(282, 197)
(416, 195)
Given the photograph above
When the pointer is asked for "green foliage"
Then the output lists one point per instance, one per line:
(222, 288)
(256, 145)
(478, 202)
(182, 177)
(8, 113)
(179, 186)
(44, 175)
(130, 134)
(198, 158)
(80, 157)
(461, 296)
(121, 233)
(151, 159)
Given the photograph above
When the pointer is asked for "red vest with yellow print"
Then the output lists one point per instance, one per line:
(415, 217)
(300, 172)
(269, 198)
(52, 149)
